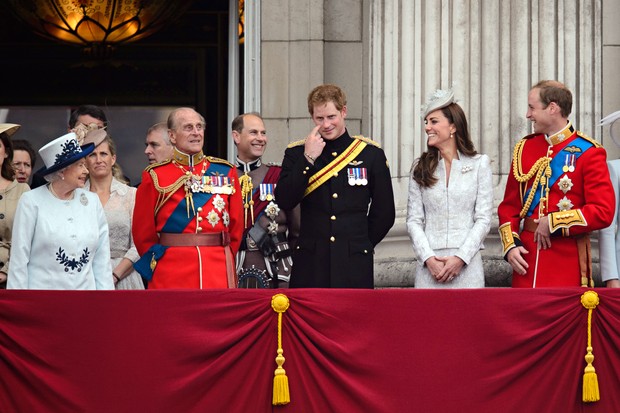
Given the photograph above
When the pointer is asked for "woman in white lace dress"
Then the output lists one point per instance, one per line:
(450, 200)
(118, 201)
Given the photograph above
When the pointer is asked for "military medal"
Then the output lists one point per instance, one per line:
(272, 210)
(357, 176)
(571, 167)
(565, 184)
(565, 167)
(221, 185)
(266, 192)
(363, 180)
(351, 175)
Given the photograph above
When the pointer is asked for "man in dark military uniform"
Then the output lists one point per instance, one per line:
(264, 258)
(344, 187)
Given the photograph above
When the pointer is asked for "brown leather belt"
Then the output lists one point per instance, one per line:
(194, 240)
(529, 225)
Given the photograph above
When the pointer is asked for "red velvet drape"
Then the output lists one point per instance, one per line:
(487, 350)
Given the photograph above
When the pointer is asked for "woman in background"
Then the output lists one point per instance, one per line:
(609, 238)
(10, 192)
(24, 158)
(60, 237)
(118, 202)
(450, 200)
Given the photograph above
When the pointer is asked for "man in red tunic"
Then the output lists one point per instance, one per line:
(559, 188)
(188, 217)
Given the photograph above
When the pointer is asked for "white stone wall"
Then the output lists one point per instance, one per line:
(390, 54)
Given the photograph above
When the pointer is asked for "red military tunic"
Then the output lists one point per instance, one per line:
(580, 199)
(174, 198)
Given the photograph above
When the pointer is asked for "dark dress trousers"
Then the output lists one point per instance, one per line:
(341, 221)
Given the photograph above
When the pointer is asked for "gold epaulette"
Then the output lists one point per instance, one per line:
(296, 143)
(213, 159)
(367, 140)
(589, 139)
(156, 164)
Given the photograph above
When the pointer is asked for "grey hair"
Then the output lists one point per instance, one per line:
(54, 176)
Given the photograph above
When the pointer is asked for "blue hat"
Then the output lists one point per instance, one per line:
(62, 152)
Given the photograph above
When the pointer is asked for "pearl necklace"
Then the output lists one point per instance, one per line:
(51, 188)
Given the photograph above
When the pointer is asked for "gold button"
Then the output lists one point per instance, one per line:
(334, 153)
(188, 173)
(297, 247)
(199, 229)
(333, 218)
(332, 239)
(335, 173)
(199, 209)
(304, 172)
(365, 251)
(307, 168)
(335, 196)
(199, 219)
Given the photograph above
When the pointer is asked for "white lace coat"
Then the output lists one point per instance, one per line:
(457, 216)
(119, 212)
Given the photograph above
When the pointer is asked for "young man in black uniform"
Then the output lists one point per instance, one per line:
(344, 187)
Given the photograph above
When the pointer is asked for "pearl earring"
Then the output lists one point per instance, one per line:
(451, 135)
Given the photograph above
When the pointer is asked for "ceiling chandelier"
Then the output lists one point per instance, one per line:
(98, 25)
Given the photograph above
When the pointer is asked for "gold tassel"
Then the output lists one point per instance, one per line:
(281, 396)
(591, 393)
(245, 182)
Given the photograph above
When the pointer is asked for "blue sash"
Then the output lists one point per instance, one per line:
(556, 165)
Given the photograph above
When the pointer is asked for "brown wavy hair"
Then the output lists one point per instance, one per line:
(7, 171)
(423, 169)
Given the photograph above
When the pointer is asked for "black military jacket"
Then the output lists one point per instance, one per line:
(341, 221)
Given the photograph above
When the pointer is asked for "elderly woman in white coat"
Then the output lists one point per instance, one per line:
(609, 238)
(60, 237)
(450, 200)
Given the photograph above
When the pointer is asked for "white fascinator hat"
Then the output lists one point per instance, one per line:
(614, 128)
(439, 99)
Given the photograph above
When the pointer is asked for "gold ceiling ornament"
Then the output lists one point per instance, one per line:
(241, 23)
(98, 25)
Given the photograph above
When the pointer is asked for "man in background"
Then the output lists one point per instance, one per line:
(157, 142)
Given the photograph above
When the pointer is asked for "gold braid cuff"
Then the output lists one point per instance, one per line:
(507, 237)
(566, 219)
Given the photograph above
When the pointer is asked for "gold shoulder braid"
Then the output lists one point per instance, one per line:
(297, 143)
(166, 192)
(367, 140)
(153, 165)
(541, 169)
(213, 159)
(589, 139)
